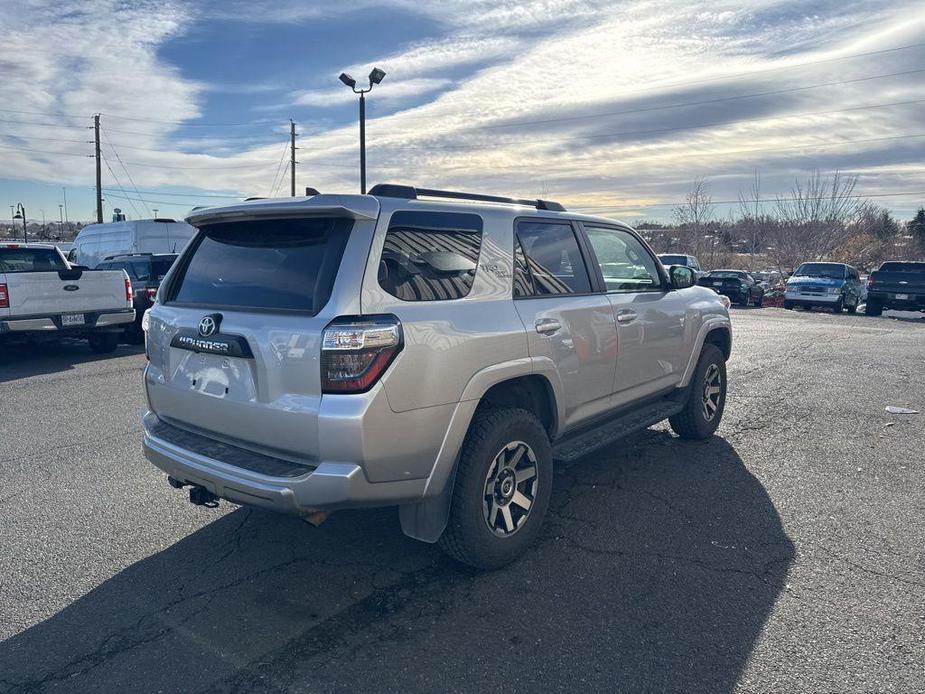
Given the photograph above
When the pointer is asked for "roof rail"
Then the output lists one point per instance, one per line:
(392, 190)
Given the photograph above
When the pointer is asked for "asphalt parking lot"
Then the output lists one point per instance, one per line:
(786, 554)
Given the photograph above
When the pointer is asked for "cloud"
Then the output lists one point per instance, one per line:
(594, 101)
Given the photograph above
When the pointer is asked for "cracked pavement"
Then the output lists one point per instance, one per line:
(786, 554)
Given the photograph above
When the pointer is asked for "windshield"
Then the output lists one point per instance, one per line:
(30, 260)
(278, 264)
(831, 270)
(673, 259)
(902, 267)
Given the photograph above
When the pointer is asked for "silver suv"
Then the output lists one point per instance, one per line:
(425, 349)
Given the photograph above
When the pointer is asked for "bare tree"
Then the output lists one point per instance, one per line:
(696, 219)
(755, 225)
(815, 222)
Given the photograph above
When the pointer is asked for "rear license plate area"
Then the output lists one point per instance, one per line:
(72, 319)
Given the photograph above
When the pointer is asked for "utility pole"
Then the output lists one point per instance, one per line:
(64, 190)
(292, 158)
(99, 174)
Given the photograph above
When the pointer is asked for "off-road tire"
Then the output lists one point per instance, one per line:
(788, 305)
(467, 537)
(873, 309)
(839, 305)
(103, 343)
(854, 307)
(691, 422)
(759, 302)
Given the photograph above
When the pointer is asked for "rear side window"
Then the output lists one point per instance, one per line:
(430, 256)
(30, 260)
(272, 264)
(554, 261)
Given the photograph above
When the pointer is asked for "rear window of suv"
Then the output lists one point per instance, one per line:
(268, 264)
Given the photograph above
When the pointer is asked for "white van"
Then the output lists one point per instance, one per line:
(97, 242)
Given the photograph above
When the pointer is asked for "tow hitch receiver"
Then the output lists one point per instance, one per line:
(200, 496)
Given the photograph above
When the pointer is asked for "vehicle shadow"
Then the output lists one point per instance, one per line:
(659, 565)
(34, 359)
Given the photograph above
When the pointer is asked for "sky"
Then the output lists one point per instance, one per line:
(611, 108)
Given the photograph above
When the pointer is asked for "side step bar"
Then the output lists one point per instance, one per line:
(581, 443)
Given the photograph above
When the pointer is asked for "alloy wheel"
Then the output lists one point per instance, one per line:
(510, 489)
(712, 391)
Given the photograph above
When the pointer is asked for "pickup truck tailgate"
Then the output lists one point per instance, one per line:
(68, 291)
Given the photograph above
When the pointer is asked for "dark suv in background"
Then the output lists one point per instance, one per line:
(145, 270)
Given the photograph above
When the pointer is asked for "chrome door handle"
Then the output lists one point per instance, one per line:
(626, 317)
(548, 326)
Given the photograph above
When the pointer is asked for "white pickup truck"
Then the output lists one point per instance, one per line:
(43, 296)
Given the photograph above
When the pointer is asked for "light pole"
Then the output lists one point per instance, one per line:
(155, 213)
(21, 214)
(375, 77)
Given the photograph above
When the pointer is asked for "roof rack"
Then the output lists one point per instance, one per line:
(392, 190)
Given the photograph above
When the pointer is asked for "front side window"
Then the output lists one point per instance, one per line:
(553, 258)
(430, 256)
(265, 264)
(625, 263)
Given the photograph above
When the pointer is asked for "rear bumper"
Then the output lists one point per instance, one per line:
(94, 320)
(914, 302)
(327, 486)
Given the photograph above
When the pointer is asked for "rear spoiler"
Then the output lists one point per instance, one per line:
(350, 206)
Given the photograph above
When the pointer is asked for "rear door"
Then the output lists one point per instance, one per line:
(650, 317)
(235, 346)
(568, 319)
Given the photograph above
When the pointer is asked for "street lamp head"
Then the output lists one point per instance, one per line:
(17, 216)
(375, 77)
(348, 80)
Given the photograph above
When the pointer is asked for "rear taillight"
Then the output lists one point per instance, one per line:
(4, 296)
(355, 352)
(151, 293)
(128, 289)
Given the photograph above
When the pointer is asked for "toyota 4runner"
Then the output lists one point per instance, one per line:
(425, 349)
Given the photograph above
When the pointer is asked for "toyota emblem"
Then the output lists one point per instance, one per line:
(208, 326)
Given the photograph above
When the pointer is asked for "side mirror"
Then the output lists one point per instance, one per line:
(681, 277)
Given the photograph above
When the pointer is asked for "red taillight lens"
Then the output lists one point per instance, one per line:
(151, 293)
(4, 296)
(355, 352)
(128, 289)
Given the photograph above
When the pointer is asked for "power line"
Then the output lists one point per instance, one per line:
(279, 168)
(689, 103)
(154, 202)
(46, 125)
(656, 108)
(736, 202)
(44, 151)
(126, 172)
(188, 195)
(119, 184)
(196, 168)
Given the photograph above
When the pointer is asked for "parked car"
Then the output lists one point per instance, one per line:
(738, 285)
(896, 285)
(407, 349)
(145, 270)
(768, 279)
(669, 259)
(97, 243)
(42, 296)
(833, 285)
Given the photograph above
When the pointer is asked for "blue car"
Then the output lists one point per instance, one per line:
(832, 285)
